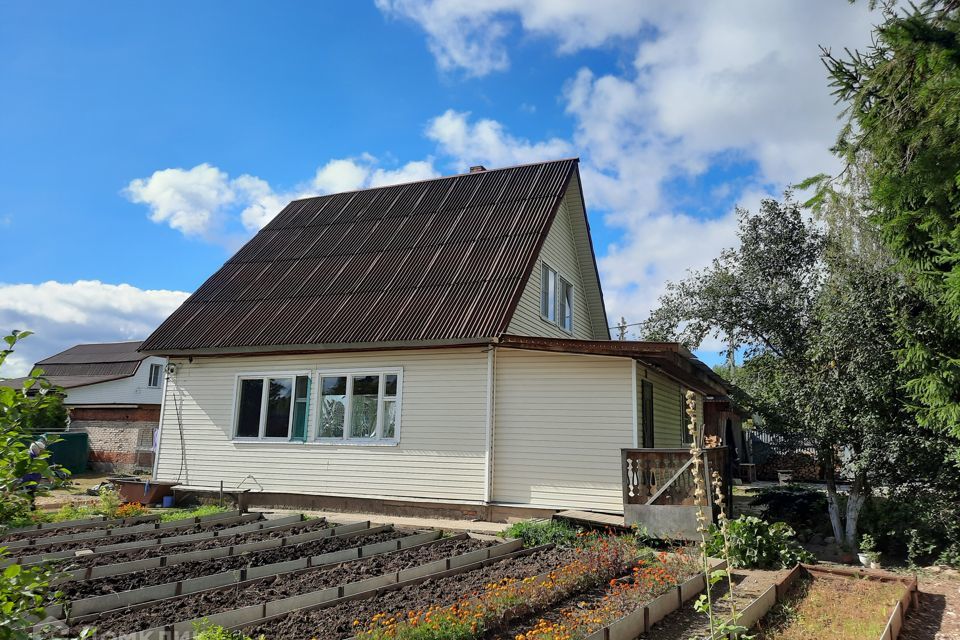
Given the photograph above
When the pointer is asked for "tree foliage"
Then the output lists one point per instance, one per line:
(901, 144)
(812, 318)
(24, 591)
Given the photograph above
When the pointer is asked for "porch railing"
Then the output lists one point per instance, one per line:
(658, 488)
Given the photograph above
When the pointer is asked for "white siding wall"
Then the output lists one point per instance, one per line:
(561, 421)
(669, 415)
(442, 450)
(132, 390)
(560, 253)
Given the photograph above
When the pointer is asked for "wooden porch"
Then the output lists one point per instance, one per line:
(659, 486)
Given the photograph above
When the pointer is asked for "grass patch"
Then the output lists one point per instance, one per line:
(166, 515)
(537, 532)
(831, 607)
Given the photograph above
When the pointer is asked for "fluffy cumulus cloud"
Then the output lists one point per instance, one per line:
(63, 314)
(707, 84)
(206, 203)
(487, 141)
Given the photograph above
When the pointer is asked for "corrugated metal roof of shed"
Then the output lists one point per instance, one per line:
(431, 260)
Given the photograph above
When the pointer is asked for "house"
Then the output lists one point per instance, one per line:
(438, 346)
(113, 393)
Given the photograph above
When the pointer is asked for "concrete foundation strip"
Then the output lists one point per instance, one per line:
(363, 589)
(110, 532)
(245, 519)
(80, 611)
(761, 606)
(354, 529)
(97, 522)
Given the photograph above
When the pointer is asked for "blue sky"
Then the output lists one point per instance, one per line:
(141, 142)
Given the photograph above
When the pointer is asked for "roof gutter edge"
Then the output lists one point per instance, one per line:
(321, 348)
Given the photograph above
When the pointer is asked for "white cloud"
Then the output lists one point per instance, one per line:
(470, 36)
(204, 202)
(66, 313)
(710, 82)
(486, 142)
(189, 200)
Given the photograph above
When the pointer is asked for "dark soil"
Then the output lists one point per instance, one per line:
(90, 543)
(336, 622)
(80, 589)
(40, 534)
(139, 553)
(275, 588)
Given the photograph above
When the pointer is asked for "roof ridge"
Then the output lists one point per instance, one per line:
(455, 175)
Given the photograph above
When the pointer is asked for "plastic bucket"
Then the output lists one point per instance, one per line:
(167, 502)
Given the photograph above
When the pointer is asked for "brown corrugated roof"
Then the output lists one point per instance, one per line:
(442, 259)
(86, 364)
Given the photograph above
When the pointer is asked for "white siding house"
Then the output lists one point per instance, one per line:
(439, 343)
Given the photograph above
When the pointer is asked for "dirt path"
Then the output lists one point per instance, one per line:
(938, 616)
(687, 623)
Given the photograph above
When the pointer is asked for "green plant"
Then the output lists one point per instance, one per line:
(109, 502)
(757, 544)
(537, 532)
(168, 515)
(203, 630)
(24, 463)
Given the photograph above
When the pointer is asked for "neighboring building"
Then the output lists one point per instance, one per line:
(440, 344)
(113, 393)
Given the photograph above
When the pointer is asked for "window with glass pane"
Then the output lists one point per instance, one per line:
(390, 406)
(548, 294)
(566, 305)
(278, 408)
(333, 406)
(301, 402)
(363, 406)
(250, 405)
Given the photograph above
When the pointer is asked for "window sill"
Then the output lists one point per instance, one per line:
(320, 443)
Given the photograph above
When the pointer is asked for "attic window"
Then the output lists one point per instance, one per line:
(156, 373)
(556, 299)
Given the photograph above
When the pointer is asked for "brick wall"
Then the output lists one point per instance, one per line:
(120, 439)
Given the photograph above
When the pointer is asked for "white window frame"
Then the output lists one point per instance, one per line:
(346, 438)
(264, 400)
(159, 376)
(560, 282)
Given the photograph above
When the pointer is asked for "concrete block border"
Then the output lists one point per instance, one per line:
(761, 606)
(98, 522)
(97, 551)
(79, 609)
(259, 613)
(642, 619)
(104, 570)
(112, 532)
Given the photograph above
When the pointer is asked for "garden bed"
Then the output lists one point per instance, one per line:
(275, 587)
(149, 531)
(229, 557)
(841, 604)
(267, 532)
(337, 621)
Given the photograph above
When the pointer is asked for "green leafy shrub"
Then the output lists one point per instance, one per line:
(109, 502)
(538, 532)
(757, 544)
(24, 466)
(799, 507)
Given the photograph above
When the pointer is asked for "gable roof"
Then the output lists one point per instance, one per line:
(437, 260)
(86, 364)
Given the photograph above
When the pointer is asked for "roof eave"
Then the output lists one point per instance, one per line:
(292, 349)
